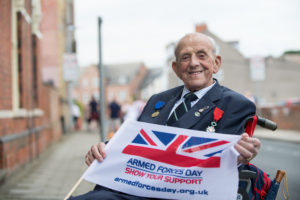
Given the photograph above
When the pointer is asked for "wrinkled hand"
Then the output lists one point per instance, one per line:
(248, 148)
(97, 151)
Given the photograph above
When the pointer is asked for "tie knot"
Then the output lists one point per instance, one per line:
(190, 96)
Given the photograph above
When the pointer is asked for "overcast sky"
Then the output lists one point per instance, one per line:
(139, 30)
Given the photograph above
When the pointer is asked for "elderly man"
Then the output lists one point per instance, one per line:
(200, 104)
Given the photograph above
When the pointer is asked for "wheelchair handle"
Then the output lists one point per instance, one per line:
(266, 123)
(280, 174)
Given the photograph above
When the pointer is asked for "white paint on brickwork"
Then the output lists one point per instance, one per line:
(20, 113)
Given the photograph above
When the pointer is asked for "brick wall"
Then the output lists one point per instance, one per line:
(134, 84)
(24, 138)
(286, 117)
(5, 57)
(24, 134)
(51, 30)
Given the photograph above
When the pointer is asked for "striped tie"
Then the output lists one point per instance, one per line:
(183, 108)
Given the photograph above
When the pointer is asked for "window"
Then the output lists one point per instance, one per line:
(34, 71)
(123, 96)
(95, 82)
(19, 56)
(85, 98)
(85, 83)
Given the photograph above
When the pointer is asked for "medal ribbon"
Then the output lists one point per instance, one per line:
(218, 113)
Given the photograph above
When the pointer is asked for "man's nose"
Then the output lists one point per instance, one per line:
(194, 61)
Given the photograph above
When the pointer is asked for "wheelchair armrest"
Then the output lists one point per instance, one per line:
(245, 174)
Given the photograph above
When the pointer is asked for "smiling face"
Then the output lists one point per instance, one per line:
(195, 61)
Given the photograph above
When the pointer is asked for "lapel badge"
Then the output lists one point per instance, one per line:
(198, 113)
(159, 105)
(204, 108)
(155, 114)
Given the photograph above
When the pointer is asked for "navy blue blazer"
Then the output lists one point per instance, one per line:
(237, 110)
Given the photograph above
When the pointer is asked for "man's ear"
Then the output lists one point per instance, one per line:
(218, 62)
(174, 67)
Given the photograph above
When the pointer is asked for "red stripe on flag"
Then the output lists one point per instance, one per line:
(171, 157)
(199, 148)
(174, 146)
(147, 137)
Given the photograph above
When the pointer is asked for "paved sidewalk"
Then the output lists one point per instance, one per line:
(56, 172)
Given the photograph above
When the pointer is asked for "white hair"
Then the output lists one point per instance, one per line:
(215, 46)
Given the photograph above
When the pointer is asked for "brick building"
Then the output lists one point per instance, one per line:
(30, 109)
(277, 80)
(122, 82)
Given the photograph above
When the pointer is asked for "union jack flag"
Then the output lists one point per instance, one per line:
(178, 150)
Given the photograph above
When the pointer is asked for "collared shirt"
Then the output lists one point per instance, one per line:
(199, 94)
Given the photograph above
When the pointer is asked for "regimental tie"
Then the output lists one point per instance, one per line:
(183, 108)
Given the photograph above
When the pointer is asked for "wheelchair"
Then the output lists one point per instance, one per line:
(253, 182)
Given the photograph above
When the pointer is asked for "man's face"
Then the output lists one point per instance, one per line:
(196, 62)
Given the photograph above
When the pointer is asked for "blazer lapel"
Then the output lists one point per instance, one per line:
(203, 106)
(165, 111)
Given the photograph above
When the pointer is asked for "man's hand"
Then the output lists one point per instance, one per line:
(248, 148)
(96, 152)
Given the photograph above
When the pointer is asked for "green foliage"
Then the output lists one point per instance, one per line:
(80, 107)
(292, 52)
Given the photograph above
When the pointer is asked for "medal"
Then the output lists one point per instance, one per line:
(218, 113)
(212, 126)
(155, 114)
(210, 129)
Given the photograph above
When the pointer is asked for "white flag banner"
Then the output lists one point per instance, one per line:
(166, 162)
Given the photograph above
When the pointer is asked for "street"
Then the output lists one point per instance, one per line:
(276, 155)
